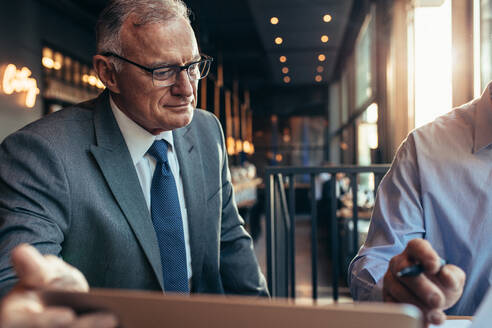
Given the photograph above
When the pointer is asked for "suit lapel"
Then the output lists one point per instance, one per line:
(193, 177)
(114, 160)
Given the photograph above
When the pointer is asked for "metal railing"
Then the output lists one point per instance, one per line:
(280, 224)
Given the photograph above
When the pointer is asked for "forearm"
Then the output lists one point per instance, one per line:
(397, 218)
(34, 200)
(366, 278)
(239, 267)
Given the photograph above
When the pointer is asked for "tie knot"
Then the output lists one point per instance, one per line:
(158, 150)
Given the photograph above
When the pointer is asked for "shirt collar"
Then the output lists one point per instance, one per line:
(483, 120)
(138, 140)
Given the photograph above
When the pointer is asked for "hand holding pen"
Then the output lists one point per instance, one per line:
(421, 277)
(416, 269)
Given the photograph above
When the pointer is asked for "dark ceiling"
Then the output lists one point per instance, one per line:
(239, 34)
(301, 27)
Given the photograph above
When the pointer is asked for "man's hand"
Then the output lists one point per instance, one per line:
(433, 291)
(22, 306)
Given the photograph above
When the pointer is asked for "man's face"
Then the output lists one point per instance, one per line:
(157, 109)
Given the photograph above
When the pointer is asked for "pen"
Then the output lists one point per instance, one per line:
(415, 270)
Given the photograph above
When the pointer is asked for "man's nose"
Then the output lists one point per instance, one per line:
(183, 85)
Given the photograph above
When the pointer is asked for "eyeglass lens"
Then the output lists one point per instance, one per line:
(168, 75)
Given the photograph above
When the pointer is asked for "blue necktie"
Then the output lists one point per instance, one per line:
(168, 224)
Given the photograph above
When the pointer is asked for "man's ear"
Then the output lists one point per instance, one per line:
(106, 72)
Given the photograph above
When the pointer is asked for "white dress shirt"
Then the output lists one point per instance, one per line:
(138, 140)
(439, 189)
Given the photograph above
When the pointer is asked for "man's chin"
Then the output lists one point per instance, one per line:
(173, 120)
(182, 119)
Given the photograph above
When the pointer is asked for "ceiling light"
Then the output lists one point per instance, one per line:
(327, 18)
(285, 70)
(274, 20)
(48, 62)
(279, 40)
(283, 59)
(324, 38)
(321, 57)
(286, 79)
(320, 69)
(318, 78)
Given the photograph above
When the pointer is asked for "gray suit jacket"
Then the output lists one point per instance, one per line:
(68, 186)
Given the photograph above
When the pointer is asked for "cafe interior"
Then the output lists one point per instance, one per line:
(314, 98)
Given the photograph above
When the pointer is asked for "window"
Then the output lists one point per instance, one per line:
(363, 62)
(432, 61)
(482, 44)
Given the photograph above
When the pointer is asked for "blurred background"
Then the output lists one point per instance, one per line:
(295, 83)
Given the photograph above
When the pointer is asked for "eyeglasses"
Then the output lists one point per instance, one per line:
(166, 76)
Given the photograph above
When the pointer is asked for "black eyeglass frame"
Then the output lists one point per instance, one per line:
(204, 58)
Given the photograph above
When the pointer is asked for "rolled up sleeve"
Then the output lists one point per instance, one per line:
(397, 218)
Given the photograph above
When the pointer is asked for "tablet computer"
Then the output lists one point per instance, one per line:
(155, 309)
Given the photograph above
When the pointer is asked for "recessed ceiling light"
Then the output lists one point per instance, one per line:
(283, 59)
(318, 78)
(286, 79)
(321, 57)
(285, 70)
(320, 69)
(324, 38)
(279, 40)
(327, 18)
(274, 20)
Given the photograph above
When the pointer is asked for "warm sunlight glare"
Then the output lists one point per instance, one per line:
(433, 76)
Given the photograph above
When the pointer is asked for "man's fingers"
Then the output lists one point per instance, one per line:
(398, 262)
(22, 307)
(65, 276)
(29, 266)
(424, 289)
(37, 271)
(429, 293)
(53, 317)
(25, 310)
(395, 290)
(96, 320)
(421, 251)
(435, 289)
(21, 301)
(435, 317)
(452, 278)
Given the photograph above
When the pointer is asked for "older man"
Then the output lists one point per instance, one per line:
(132, 188)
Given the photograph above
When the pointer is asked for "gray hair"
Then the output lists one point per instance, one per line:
(111, 20)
